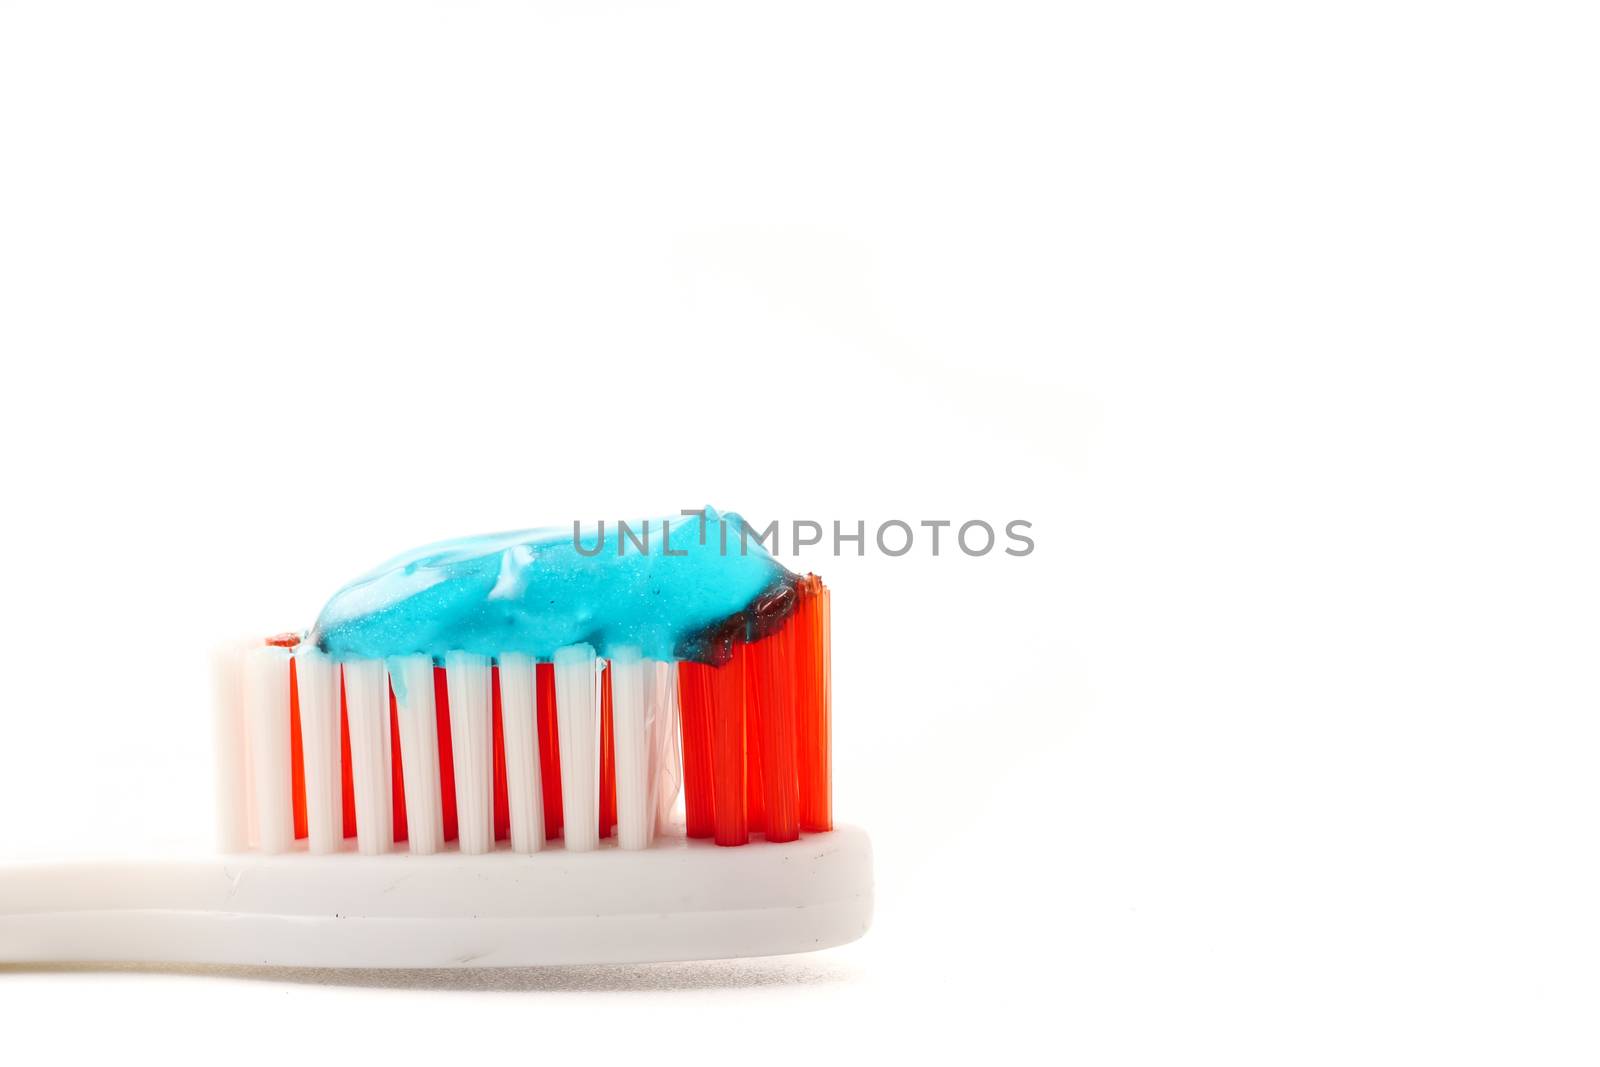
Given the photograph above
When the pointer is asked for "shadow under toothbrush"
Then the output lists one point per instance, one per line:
(769, 972)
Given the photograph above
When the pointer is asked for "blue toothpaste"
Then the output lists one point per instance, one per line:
(534, 591)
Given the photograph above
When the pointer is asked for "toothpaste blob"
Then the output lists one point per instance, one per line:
(534, 591)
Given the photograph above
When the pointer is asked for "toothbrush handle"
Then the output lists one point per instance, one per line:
(676, 900)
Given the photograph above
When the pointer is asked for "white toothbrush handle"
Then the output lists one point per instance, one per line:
(676, 900)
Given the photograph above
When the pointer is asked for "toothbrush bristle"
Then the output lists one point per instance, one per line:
(773, 712)
(347, 777)
(813, 695)
(471, 719)
(635, 703)
(367, 698)
(266, 720)
(776, 780)
(519, 743)
(502, 803)
(578, 725)
(397, 782)
(549, 750)
(485, 749)
(728, 710)
(694, 693)
(755, 782)
(608, 764)
(297, 756)
(416, 745)
(316, 700)
(447, 761)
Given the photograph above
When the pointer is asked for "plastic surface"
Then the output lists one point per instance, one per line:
(676, 900)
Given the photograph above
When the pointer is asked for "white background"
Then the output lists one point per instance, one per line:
(1277, 321)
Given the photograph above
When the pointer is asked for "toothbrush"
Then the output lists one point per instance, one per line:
(473, 759)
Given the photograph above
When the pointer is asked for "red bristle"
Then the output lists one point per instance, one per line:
(608, 759)
(823, 629)
(549, 749)
(802, 656)
(502, 801)
(397, 774)
(797, 639)
(790, 636)
(297, 756)
(813, 705)
(447, 760)
(755, 792)
(347, 780)
(775, 735)
(727, 751)
(694, 699)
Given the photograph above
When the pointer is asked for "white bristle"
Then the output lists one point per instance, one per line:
(471, 723)
(666, 763)
(266, 710)
(630, 730)
(366, 690)
(317, 678)
(578, 736)
(412, 679)
(227, 702)
(518, 720)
